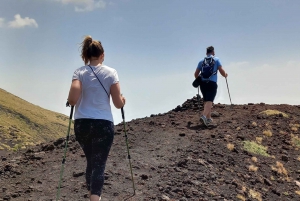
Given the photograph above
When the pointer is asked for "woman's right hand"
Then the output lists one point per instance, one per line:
(123, 99)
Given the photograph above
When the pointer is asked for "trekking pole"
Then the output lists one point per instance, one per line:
(199, 101)
(228, 90)
(126, 139)
(64, 157)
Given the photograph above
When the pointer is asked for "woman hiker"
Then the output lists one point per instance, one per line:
(91, 88)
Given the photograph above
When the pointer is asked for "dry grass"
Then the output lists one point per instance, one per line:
(255, 148)
(267, 133)
(238, 128)
(259, 140)
(254, 194)
(239, 196)
(279, 168)
(295, 125)
(254, 159)
(274, 112)
(254, 124)
(253, 168)
(4, 146)
(230, 146)
(283, 132)
(268, 126)
(26, 123)
(295, 140)
(297, 192)
(294, 129)
(244, 188)
(211, 193)
(298, 158)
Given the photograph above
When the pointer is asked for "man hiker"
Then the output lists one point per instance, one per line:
(207, 74)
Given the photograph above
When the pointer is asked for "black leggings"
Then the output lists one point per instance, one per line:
(95, 137)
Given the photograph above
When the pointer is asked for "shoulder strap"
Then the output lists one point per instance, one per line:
(211, 61)
(99, 80)
(207, 60)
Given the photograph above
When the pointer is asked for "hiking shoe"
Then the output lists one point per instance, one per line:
(210, 120)
(210, 123)
(203, 120)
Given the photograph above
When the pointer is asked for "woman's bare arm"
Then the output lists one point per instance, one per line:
(75, 92)
(117, 98)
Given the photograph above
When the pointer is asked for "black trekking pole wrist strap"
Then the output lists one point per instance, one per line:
(99, 80)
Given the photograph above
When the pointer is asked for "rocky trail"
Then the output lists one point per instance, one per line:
(252, 154)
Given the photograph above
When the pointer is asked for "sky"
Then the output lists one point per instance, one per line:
(155, 47)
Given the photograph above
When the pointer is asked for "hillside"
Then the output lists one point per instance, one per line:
(253, 154)
(23, 124)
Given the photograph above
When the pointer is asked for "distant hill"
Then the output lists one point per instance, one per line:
(23, 124)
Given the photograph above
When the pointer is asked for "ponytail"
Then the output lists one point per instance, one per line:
(90, 48)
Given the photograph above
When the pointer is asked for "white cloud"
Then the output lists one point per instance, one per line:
(85, 5)
(2, 22)
(20, 22)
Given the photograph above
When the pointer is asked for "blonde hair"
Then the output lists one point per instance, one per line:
(90, 48)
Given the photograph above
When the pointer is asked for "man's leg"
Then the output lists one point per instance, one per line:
(211, 94)
(203, 107)
(207, 109)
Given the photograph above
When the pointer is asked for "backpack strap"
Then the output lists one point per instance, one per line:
(205, 62)
(99, 80)
(215, 72)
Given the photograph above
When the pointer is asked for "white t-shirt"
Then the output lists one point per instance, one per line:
(94, 103)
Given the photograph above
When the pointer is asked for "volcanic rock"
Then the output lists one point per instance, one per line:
(174, 157)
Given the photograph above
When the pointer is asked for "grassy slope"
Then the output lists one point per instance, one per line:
(22, 123)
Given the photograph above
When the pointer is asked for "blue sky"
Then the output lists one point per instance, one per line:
(155, 46)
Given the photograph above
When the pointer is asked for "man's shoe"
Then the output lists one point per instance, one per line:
(203, 120)
(210, 120)
(210, 123)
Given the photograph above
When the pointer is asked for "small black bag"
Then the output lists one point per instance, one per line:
(197, 81)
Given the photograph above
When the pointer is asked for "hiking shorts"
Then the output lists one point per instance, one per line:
(208, 90)
(95, 137)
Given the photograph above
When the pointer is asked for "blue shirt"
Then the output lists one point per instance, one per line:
(214, 77)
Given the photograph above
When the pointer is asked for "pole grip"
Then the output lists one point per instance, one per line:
(71, 115)
(122, 110)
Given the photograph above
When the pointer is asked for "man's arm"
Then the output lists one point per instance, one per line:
(196, 74)
(222, 71)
